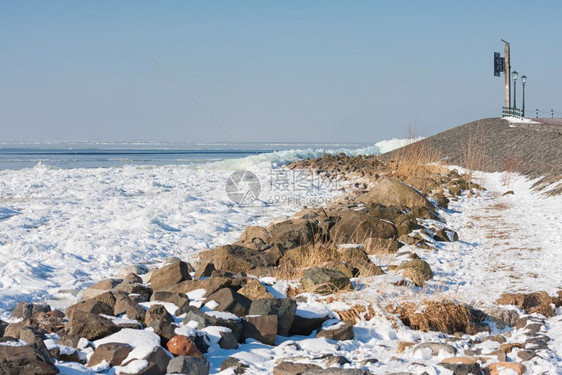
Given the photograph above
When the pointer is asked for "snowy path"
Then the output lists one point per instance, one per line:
(510, 243)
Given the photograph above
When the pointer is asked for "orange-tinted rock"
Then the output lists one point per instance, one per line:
(183, 345)
(495, 368)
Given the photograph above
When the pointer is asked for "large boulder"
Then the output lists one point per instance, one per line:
(113, 353)
(340, 331)
(129, 307)
(157, 312)
(254, 290)
(462, 365)
(16, 360)
(90, 306)
(169, 275)
(25, 310)
(51, 321)
(89, 325)
(231, 301)
(417, 270)
(210, 285)
(283, 308)
(138, 292)
(357, 227)
(260, 327)
(234, 258)
(100, 287)
(205, 320)
(295, 232)
(391, 192)
(181, 300)
(324, 280)
(293, 368)
(358, 259)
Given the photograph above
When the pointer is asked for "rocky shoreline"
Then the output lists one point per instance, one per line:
(291, 279)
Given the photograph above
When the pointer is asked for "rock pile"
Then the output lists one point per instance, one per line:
(164, 321)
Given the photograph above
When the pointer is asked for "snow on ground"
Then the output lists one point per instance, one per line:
(508, 243)
(61, 229)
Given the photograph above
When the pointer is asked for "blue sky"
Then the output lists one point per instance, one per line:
(266, 71)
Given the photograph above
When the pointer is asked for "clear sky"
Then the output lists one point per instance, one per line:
(265, 70)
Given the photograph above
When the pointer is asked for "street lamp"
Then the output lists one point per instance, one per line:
(523, 81)
(514, 76)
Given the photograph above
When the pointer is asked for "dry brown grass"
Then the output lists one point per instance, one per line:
(299, 259)
(414, 163)
(514, 165)
(356, 313)
(403, 345)
(444, 316)
(474, 155)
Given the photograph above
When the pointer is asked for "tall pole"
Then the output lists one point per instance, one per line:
(514, 93)
(507, 72)
(523, 109)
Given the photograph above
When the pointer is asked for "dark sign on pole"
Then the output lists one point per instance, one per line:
(499, 65)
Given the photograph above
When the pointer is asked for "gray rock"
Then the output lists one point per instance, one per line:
(336, 360)
(188, 365)
(502, 317)
(324, 280)
(164, 329)
(89, 325)
(113, 353)
(169, 275)
(160, 358)
(417, 270)
(25, 310)
(526, 355)
(229, 300)
(343, 331)
(105, 297)
(181, 300)
(137, 292)
(462, 368)
(203, 320)
(132, 278)
(157, 312)
(446, 235)
(304, 326)
(90, 306)
(356, 227)
(260, 327)
(3, 326)
(294, 368)
(16, 360)
(239, 366)
(205, 270)
(296, 232)
(435, 347)
(283, 308)
(228, 340)
(235, 258)
(391, 192)
(129, 307)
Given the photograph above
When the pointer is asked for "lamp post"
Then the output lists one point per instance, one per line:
(523, 81)
(514, 76)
